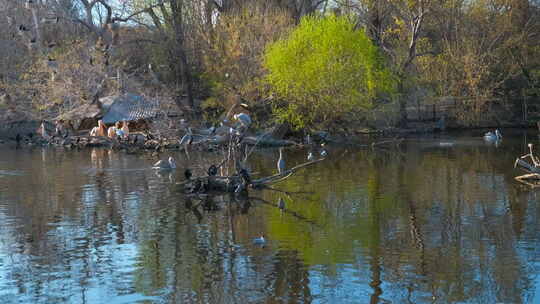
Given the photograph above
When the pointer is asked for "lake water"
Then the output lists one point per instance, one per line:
(438, 220)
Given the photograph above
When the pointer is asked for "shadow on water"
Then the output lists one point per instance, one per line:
(440, 219)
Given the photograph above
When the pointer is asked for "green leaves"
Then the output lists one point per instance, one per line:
(325, 68)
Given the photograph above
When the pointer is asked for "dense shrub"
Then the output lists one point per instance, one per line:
(323, 70)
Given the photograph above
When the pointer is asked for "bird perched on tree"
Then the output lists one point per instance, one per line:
(281, 203)
(245, 176)
(281, 162)
(323, 151)
(244, 119)
(188, 174)
(212, 171)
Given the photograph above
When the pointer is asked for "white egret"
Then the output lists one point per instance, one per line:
(43, 131)
(493, 136)
(165, 165)
(260, 240)
(310, 156)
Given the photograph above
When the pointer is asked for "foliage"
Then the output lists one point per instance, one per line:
(231, 53)
(324, 70)
(483, 62)
(484, 54)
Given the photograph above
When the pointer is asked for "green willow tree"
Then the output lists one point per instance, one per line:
(324, 71)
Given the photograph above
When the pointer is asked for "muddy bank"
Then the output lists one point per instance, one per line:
(26, 132)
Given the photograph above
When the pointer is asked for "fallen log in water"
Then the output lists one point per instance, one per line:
(232, 183)
(527, 167)
(531, 179)
(281, 176)
(267, 141)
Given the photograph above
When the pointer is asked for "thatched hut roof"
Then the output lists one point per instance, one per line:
(130, 107)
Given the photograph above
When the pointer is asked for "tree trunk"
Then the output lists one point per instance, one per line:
(182, 70)
(403, 119)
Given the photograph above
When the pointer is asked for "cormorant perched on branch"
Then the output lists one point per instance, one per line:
(188, 174)
(212, 171)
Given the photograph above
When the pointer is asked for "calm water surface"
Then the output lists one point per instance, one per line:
(439, 220)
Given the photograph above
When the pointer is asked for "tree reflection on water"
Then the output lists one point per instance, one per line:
(421, 224)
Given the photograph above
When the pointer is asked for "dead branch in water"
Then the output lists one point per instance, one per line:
(231, 183)
(282, 176)
(532, 178)
(397, 141)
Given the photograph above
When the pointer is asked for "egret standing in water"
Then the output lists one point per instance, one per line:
(43, 131)
(493, 136)
(165, 165)
(310, 156)
(281, 162)
(187, 139)
(260, 240)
